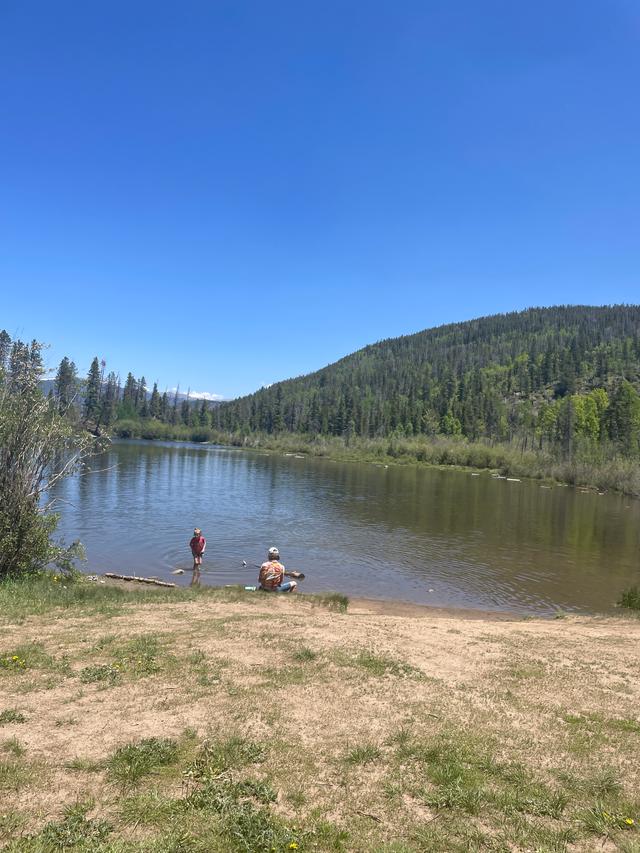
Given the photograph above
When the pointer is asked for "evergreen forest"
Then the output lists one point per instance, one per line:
(564, 378)
(561, 384)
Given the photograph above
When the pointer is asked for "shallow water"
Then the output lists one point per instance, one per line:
(436, 537)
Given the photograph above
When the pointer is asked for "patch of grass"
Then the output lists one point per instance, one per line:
(148, 807)
(335, 601)
(74, 832)
(630, 598)
(590, 731)
(379, 665)
(11, 822)
(10, 715)
(284, 676)
(85, 765)
(139, 657)
(14, 775)
(13, 746)
(363, 754)
(30, 656)
(132, 762)
(525, 671)
(65, 722)
(304, 654)
(100, 672)
(36, 594)
(603, 820)
(217, 756)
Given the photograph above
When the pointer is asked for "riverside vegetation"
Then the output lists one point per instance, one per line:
(163, 721)
(550, 392)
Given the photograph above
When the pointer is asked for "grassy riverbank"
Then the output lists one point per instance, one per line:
(617, 474)
(180, 720)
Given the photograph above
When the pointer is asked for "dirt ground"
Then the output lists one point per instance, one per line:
(339, 696)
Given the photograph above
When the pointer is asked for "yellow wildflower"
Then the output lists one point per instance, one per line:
(15, 657)
(293, 846)
(629, 821)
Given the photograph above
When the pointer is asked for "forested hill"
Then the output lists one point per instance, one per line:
(541, 375)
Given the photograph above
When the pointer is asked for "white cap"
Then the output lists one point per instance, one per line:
(273, 552)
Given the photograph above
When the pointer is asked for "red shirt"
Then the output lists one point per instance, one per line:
(197, 545)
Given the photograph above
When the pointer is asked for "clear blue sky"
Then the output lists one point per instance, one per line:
(227, 193)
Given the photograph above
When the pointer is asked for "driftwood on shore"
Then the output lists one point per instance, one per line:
(139, 580)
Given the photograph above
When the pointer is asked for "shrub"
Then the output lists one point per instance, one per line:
(630, 598)
(38, 447)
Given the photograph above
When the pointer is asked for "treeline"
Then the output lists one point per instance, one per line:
(102, 404)
(561, 379)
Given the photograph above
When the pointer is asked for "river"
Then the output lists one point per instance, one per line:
(441, 537)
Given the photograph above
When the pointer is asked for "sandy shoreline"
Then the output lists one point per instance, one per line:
(390, 607)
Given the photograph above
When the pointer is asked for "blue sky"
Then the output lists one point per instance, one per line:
(224, 194)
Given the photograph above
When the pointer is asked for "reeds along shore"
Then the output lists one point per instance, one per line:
(615, 473)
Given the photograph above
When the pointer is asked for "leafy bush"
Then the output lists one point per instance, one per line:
(38, 447)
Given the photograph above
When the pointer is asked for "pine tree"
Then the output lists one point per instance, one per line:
(141, 395)
(109, 401)
(20, 374)
(130, 391)
(5, 349)
(66, 384)
(92, 394)
(154, 403)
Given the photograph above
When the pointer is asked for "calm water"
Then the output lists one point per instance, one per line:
(437, 537)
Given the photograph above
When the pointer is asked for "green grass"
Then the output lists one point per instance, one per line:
(459, 777)
(630, 598)
(378, 665)
(85, 765)
(363, 754)
(130, 763)
(12, 745)
(141, 656)
(335, 601)
(30, 656)
(218, 756)
(100, 672)
(304, 655)
(74, 832)
(14, 774)
(10, 715)
(36, 595)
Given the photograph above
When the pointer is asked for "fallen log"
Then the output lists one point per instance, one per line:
(139, 580)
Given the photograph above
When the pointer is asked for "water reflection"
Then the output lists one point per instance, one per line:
(441, 537)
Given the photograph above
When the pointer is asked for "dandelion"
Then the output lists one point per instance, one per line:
(15, 657)
(293, 846)
(629, 821)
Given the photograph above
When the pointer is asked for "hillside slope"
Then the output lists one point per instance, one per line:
(545, 376)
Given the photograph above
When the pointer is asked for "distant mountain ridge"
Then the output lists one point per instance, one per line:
(493, 377)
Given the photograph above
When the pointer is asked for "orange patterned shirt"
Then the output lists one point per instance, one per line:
(271, 574)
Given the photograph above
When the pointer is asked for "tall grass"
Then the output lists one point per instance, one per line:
(615, 473)
(630, 598)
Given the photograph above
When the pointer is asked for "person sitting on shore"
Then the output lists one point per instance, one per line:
(272, 574)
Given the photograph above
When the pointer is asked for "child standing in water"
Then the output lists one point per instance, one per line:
(197, 544)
